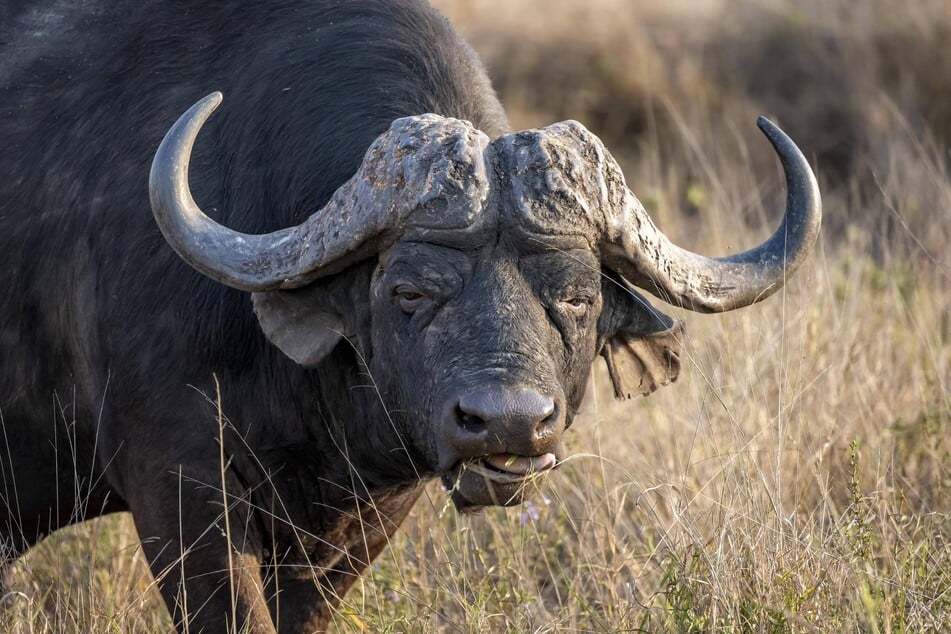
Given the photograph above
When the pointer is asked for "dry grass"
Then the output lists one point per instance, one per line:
(798, 476)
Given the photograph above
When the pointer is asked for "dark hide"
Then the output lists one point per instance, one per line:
(114, 352)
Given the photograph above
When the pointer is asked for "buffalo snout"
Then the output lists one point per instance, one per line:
(519, 422)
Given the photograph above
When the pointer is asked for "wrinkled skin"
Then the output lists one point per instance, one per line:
(500, 315)
(512, 313)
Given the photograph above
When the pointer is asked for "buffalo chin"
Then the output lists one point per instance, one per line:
(474, 485)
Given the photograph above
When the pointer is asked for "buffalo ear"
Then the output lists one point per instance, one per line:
(641, 344)
(302, 323)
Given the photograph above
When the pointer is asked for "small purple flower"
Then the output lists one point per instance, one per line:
(529, 512)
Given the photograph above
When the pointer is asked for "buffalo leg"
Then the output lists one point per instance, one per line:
(209, 572)
(305, 602)
(47, 480)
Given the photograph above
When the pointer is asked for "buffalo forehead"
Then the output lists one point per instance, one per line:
(560, 181)
(431, 170)
(548, 188)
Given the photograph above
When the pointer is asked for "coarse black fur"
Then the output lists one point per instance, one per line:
(114, 353)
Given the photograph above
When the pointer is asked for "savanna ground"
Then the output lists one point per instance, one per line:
(797, 476)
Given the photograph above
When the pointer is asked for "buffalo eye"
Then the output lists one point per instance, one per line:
(576, 305)
(409, 298)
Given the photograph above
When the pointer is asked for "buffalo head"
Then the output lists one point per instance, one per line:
(502, 268)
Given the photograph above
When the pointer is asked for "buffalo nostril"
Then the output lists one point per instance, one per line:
(548, 410)
(469, 421)
(550, 418)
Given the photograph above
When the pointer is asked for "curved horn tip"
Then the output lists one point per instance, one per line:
(184, 130)
(774, 133)
(196, 116)
(207, 104)
(748, 277)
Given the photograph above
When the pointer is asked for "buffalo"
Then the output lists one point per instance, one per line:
(395, 287)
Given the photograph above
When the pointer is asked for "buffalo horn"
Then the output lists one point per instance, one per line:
(420, 164)
(647, 258)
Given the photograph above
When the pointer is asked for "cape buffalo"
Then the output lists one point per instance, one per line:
(399, 288)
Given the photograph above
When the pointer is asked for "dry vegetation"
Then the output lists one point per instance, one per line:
(798, 476)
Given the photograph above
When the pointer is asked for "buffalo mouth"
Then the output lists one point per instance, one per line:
(496, 480)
